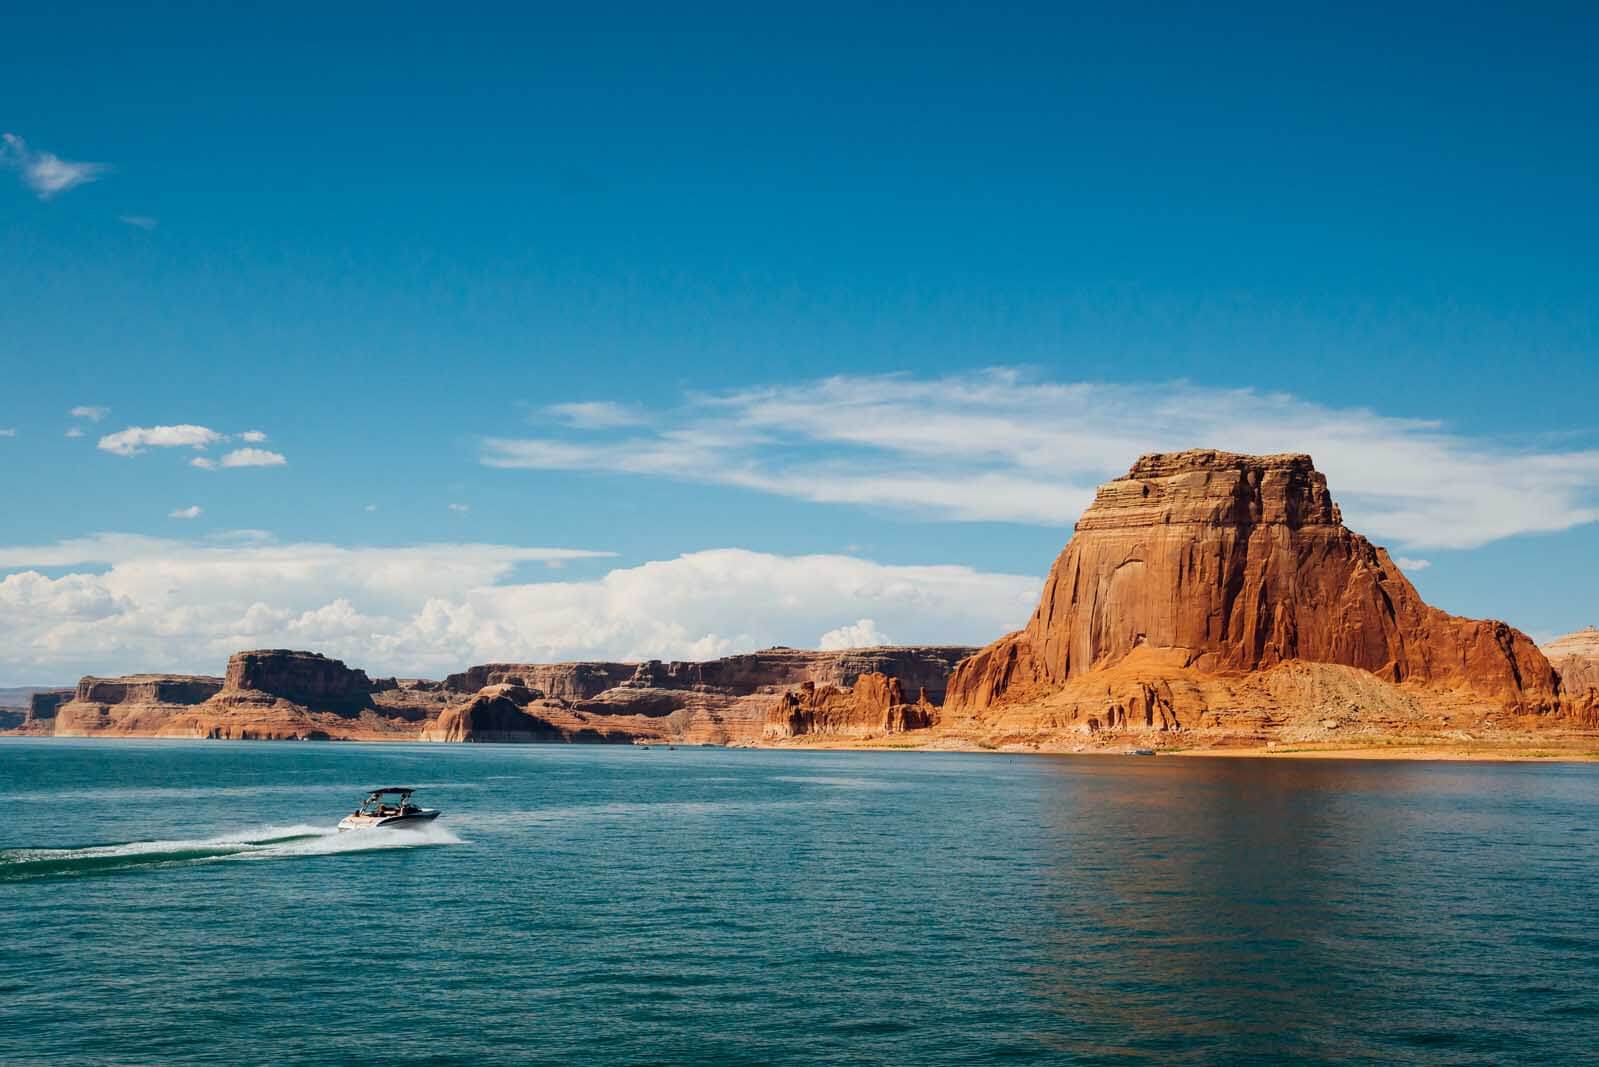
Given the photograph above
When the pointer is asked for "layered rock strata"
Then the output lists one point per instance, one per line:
(280, 694)
(134, 704)
(42, 705)
(873, 707)
(1575, 658)
(722, 701)
(1193, 578)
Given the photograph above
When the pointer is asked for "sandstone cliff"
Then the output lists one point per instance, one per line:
(1218, 569)
(281, 694)
(1576, 658)
(723, 701)
(43, 704)
(134, 704)
(874, 706)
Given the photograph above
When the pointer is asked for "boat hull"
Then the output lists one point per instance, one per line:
(410, 820)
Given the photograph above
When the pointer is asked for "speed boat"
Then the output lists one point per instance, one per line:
(390, 809)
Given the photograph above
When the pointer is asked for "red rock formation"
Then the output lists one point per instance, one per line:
(1576, 658)
(1226, 564)
(875, 705)
(728, 700)
(134, 704)
(42, 706)
(495, 713)
(309, 679)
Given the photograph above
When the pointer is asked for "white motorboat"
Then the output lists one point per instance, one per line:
(389, 809)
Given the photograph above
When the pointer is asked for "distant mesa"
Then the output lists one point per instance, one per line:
(1206, 599)
(284, 694)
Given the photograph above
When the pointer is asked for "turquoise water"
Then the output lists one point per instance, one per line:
(178, 903)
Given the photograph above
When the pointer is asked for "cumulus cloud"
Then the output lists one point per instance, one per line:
(136, 439)
(254, 437)
(594, 414)
(998, 445)
(92, 412)
(122, 602)
(863, 633)
(190, 512)
(253, 457)
(44, 172)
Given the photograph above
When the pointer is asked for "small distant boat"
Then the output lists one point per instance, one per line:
(389, 808)
(1140, 752)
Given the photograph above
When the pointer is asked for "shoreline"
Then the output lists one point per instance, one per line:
(1573, 750)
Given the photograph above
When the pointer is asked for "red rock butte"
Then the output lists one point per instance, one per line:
(1214, 563)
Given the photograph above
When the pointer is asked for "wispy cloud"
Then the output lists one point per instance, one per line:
(142, 222)
(92, 412)
(74, 431)
(460, 507)
(45, 172)
(9, 431)
(136, 439)
(253, 436)
(1000, 445)
(594, 415)
(1407, 563)
(191, 512)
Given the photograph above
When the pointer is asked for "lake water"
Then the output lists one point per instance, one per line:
(177, 903)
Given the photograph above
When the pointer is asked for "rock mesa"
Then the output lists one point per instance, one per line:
(1203, 581)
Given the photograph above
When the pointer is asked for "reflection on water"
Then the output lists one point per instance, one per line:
(602, 905)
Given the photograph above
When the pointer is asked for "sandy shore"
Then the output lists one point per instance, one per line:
(1565, 749)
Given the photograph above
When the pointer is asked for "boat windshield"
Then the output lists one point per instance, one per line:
(387, 802)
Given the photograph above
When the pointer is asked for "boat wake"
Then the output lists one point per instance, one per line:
(263, 843)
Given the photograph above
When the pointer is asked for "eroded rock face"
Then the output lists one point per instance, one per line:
(42, 706)
(134, 704)
(1576, 658)
(309, 679)
(722, 701)
(1226, 563)
(874, 706)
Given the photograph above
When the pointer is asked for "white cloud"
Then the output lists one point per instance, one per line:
(143, 222)
(74, 431)
(9, 431)
(190, 512)
(129, 603)
(255, 437)
(996, 445)
(370, 507)
(44, 172)
(863, 633)
(253, 457)
(460, 507)
(594, 414)
(135, 439)
(1407, 564)
(92, 412)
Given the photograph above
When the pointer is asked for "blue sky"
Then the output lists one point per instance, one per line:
(872, 297)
